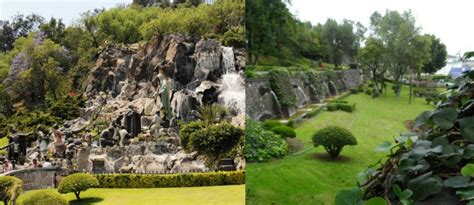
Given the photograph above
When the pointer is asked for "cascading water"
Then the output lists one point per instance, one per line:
(305, 97)
(279, 111)
(233, 92)
(326, 89)
(228, 59)
(333, 87)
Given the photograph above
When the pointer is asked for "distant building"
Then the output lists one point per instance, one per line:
(455, 66)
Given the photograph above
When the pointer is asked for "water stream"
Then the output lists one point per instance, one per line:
(233, 92)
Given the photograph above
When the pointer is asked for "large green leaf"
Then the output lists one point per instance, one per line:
(467, 128)
(422, 118)
(465, 193)
(425, 186)
(349, 197)
(468, 170)
(376, 201)
(445, 117)
(458, 182)
(384, 147)
(468, 152)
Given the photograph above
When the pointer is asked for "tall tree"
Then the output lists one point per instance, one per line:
(372, 58)
(339, 41)
(438, 55)
(397, 32)
(54, 29)
(19, 26)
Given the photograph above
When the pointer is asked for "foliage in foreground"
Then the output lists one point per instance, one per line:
(261, 144)
(333, 139)
(10, 188)
(170, 180)
(435, 157)
(76, 183)
(44, 197)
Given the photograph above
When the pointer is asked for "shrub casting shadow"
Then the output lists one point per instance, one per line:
(88, 200)
(325, 157)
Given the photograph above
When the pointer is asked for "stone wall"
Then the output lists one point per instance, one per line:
(37, 178)
(261, 102)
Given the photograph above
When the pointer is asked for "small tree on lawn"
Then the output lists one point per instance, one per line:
(333, 139)
(76, 183)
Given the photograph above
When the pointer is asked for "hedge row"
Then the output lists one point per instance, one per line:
(341, 106)
(170, 180)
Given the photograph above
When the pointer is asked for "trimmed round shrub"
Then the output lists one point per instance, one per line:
(76, 183)
(10, 188)
(189, 128)
(291, 123)
(284, 131)
(216, 141)
(261, 144)
(269, 124)
(44, 197)
(333, 139)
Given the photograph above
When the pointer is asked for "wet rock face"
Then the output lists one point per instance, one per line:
(208, 60)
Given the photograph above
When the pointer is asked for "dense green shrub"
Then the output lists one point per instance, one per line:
(216, 141)
(10, 188)
(354, 91)
(368, 91)
(332, 107)
(43, 197)
(360, 89)
(187, 129)
(170, 180)
(234, 37)
(291, 123)
(284, 131)
(269, 124)
(280, 83)
(261, 144)
(333, 139)
(76, 183)
(346, 107)
(66, 108)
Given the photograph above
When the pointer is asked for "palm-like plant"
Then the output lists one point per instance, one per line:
(212, 113)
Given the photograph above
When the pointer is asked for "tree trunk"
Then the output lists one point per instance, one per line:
(77, 195)
(411, 90)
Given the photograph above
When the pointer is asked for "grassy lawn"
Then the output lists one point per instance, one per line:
(233, 194)
(309, 178)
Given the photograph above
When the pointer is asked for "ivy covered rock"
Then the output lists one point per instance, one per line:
(280, 84)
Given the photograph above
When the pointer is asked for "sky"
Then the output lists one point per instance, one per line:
(68, 10)
(451, 21)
